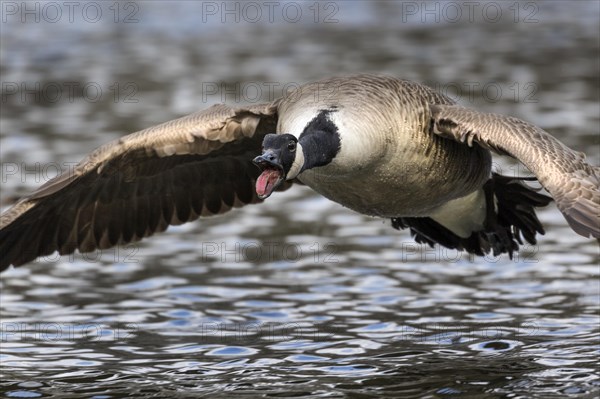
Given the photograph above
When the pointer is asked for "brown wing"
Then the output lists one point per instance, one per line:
(142, 183)
(572, 182)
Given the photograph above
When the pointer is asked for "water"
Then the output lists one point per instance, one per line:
(297, 297)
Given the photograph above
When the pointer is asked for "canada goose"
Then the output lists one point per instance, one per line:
(378, 145)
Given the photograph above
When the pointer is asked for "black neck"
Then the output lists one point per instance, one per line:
(320, 141)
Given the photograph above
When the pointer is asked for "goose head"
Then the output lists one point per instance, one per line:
(281, 160)
(284, 156)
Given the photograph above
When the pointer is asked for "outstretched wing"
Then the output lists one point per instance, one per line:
(130, 188)
(572, 182)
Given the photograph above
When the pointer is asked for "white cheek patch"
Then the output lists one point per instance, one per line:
(298, 163)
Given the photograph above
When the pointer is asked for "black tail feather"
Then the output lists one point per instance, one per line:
(506, 227)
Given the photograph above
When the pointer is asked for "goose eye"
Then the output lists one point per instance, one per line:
(292, 146)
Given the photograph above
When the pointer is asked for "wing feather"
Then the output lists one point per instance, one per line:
(141, 183)
(573, 183)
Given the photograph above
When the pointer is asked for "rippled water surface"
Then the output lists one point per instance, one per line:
(297, 297)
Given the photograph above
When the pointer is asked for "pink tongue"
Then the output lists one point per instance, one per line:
(266, 182)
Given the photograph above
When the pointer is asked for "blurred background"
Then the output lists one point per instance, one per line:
(395, 317)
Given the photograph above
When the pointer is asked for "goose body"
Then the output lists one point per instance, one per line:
(389, 163)
(378, 145)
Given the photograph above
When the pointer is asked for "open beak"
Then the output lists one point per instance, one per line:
(272, 173)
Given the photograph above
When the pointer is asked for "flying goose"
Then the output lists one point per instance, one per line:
(378, 145)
